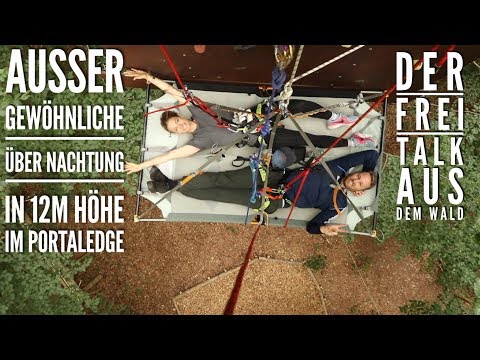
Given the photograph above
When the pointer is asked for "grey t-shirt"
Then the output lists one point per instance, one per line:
(207, 135)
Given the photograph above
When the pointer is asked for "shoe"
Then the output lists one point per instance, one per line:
(359, 139)
(157, 186)
(156, 174)
(341, 120)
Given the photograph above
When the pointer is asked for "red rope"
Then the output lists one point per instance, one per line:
(202, 105)
(170, 62)
(297, 195)
(440, 63)
(195, 100)
(230, 307)
(304, 173)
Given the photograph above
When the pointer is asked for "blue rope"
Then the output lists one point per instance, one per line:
(278, 79)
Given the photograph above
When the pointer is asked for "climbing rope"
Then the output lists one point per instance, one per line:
(328, 62)
(235, 292)
(232, 301)
(287, 89)
(174, 69)
(440, 62)
(188, 96)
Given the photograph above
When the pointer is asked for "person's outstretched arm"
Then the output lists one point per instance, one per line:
(162, 85)
(181, 152)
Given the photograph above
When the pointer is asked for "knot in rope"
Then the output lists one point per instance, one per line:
(278, 78)
(286, 93)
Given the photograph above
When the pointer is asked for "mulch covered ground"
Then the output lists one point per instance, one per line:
(163, 260)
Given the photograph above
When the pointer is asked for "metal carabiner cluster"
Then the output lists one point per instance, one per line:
(283, 55)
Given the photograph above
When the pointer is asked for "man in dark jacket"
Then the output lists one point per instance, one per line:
(318, 190)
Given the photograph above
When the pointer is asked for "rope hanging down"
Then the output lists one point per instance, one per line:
(232, 301)
(278, 79)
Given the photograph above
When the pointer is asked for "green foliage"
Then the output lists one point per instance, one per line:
(453, 246)
(476, 290)
(42, 283)
(419, 307)
(316, 262)
(448, 303)
(363, 261)
(108, 307)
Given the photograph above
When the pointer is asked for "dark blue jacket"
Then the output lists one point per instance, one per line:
(317, 192)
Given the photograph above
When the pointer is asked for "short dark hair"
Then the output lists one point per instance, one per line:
(373, 178)
(167, 115)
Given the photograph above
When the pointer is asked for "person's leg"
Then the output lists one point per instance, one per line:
(290, 138)
(232, 196)
(234, 179)
(228, 186)
(301, 106)
(334, 120)
(234, 187)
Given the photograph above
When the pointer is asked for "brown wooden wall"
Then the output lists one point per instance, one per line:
(369, 68)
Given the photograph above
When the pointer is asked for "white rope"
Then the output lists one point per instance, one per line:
(328, 62)
(287, 89)
(297, 61)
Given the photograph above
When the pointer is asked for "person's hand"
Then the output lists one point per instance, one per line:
(131, 168)
(333, 229)
(137, 74)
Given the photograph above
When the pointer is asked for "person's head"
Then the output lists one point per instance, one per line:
(283, 157)
(359, 182)
(174, 123)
